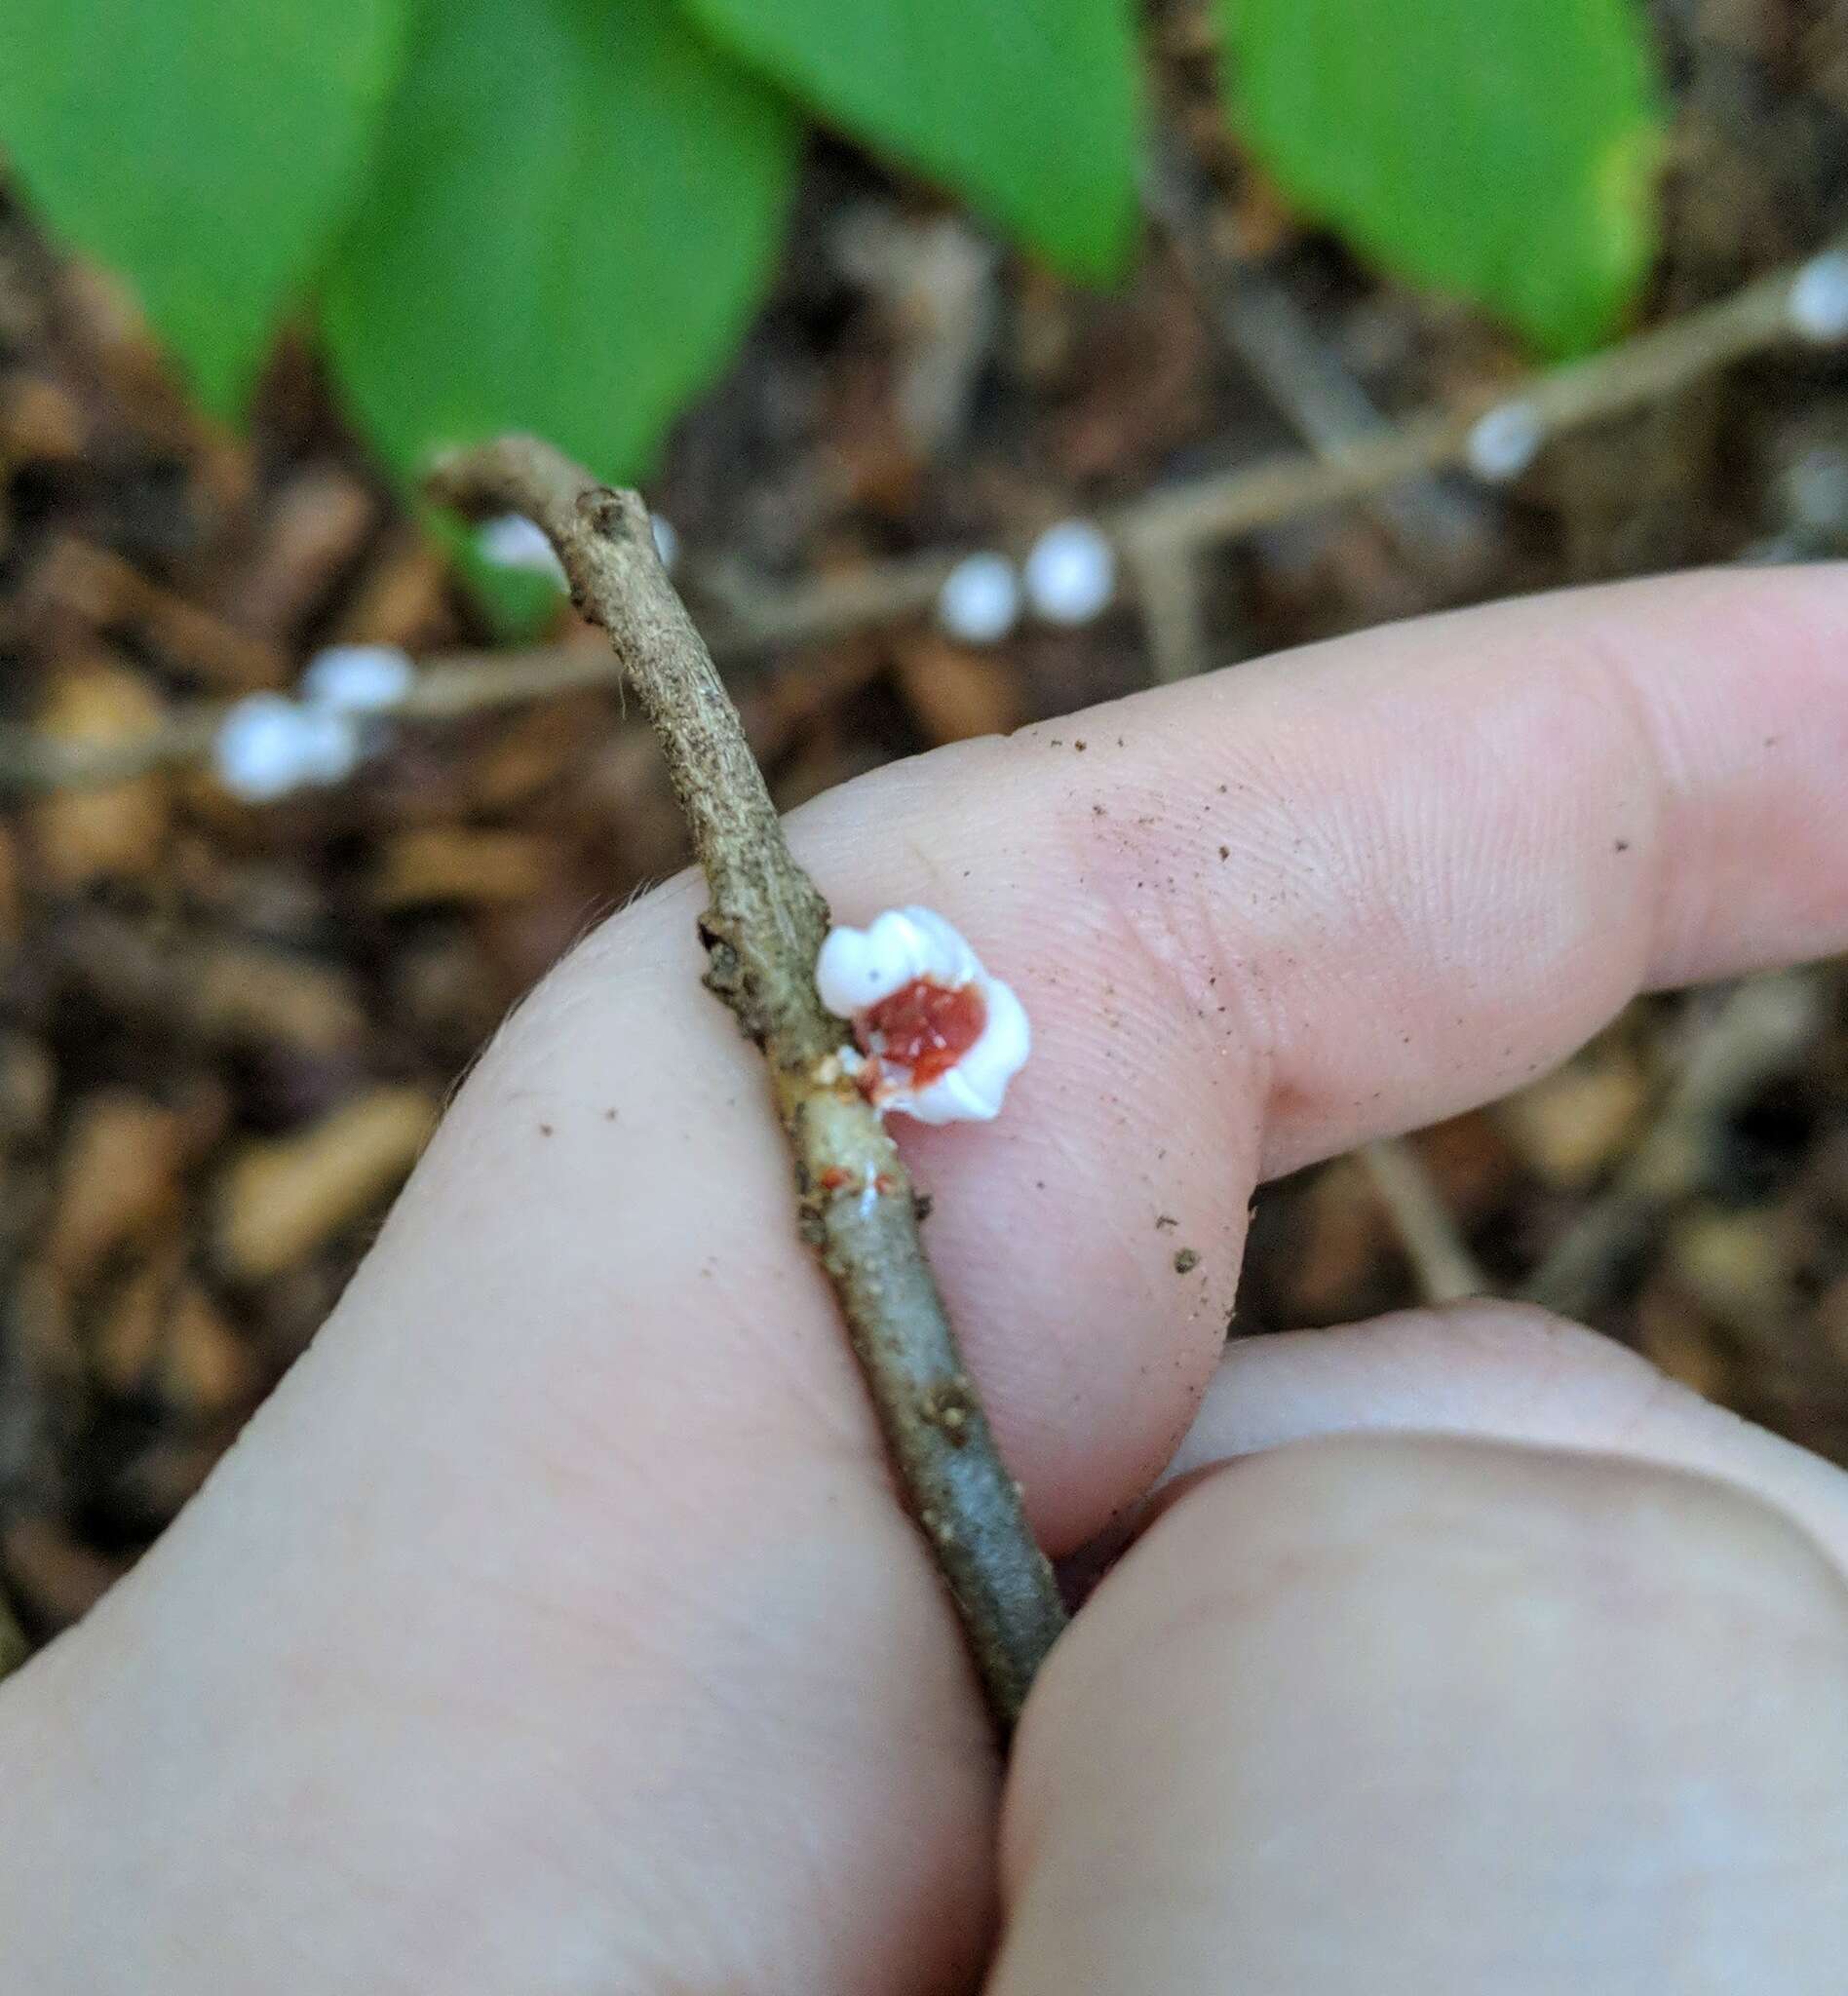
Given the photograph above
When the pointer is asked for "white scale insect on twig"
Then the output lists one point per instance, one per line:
(938, 1038)
(268, 746)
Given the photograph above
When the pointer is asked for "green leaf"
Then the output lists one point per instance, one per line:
(577, 209)
(1502, 150)
(1029, 110)
(207, 148)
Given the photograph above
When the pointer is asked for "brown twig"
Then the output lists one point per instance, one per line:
(1755, 1031)
(762, 933)
(1276, 342)
(1446, 1270)
(1640, 371)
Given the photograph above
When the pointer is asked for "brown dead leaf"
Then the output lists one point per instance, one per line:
(1570, 1127)
(403, 596)
(278, 1201)
(956, 693)
(40, 422)
(118, 1181)
(1471, 1164)
(1673, 1334)
(162, 1337)
(206, 1370)
(432, 864)
(242, 992)
(99, 590)
(1739, 1265)
(57, 1579)
(114, 833)
(1338, 1242)
(312, 530)
(11, 890)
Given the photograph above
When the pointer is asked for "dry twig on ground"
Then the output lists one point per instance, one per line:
(1444, 1269)
(1160, 534)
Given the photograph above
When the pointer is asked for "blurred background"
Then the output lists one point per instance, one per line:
(984, 359)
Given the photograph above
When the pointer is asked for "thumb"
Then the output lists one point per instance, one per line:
(1414, 1713)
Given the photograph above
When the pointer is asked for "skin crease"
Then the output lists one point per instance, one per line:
(555, 1626)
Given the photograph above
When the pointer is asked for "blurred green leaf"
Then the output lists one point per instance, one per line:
(517, 603)
(577, 209)
(207, 148)
(1030, 109)
(1503, 149)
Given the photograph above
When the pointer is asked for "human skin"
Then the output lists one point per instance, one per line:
(555, 1625)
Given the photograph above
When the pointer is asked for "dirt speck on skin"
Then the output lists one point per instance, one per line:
(1186, 1261)
(1164, 1222)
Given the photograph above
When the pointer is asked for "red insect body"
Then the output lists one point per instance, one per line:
(924, 1027)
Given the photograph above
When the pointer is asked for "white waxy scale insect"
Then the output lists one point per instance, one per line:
(1070, 572)
(1818, 302)
(358, 678)
(512, 541)
(920, 1053)
(1504, 442)
(979, 601)
(268, 746)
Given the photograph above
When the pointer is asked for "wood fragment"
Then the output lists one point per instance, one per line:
(315, 527)
(1570, 1127)
(99, 590)
(278, 1201)
(116, 833)
(1758, 1027)
(162, 1341)
(55, 1577)
(463, 866)
(953, 692)
(1446, 1271)
(119, 1182)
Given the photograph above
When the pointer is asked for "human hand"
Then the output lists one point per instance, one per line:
(555, 1625)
